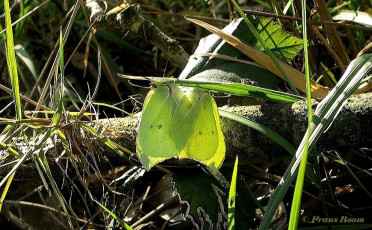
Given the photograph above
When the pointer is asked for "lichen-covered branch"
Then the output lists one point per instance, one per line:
(351, 129)
(128, 17)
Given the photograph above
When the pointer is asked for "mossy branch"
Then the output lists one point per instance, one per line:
(128, 17)
(351, 129)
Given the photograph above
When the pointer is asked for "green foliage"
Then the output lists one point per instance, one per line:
(204, 196)
(326, 111)
(282, 44)
(265, 47)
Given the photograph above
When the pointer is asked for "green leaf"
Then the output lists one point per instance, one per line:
(204, 196)
(282, 44)
(223, 87)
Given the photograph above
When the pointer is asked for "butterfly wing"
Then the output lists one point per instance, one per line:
(154, 143)
(206, 143)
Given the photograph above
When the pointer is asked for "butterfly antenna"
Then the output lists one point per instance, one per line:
(140, 86)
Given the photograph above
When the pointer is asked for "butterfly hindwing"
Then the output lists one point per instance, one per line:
(206, 143)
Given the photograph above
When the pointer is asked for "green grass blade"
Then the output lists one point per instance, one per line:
(6, 190)
(10, 149)
(11, 60)
(42, 177)
(223, 87)
(267, 50)
(122, 223)
(326, 111)
(61, 53)
(232, 195)
(45, 166)
(286, 8)
(297, 196)
(58, 114)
